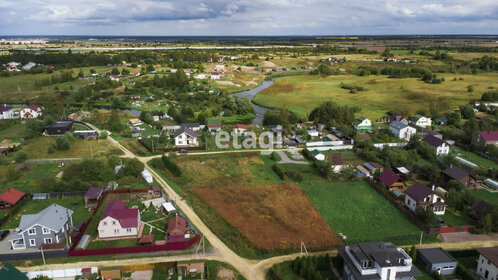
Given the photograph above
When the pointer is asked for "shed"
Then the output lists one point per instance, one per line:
(40, 195)
(491, 183)
(59, 128)
(93, 195)
(147, 176)
(192, 266)
(437, 260)
(113, 272)
(147, 239)
(8, 271)
(391, 179)
(10, 197)
(168, 207)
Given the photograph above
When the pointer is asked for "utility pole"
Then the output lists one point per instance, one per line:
(420, 243)
(303, 246)
(43, 257)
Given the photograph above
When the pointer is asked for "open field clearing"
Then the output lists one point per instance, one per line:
(360, 213)
(265, 216)
(32, 177)
(38, 148)
(301, 94)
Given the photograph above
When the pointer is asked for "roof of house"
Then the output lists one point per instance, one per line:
(214, 123)
(177, 223)
(185, 130)
(4, 108)
(490, 253)
(61, 124)
(416, 117)
(489, 135)
(190, 125)
(456, 173)
(118, 210)
(376, 164)
(11, 196)
(215, 73)
(240, 126)
(53, 217)
(388, 177)
(481, 207)
(434, 141)
(337, 159)
(418, 191)
(396, 117)
(146, 239)
(431, 132)
(33, 107)
(315, 152)
(436, 255)
(398, 125)
(94, 192)
(8, 271)
(441, 119)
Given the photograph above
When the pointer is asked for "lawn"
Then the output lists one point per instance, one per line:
(129, 242)
(13, 132)
(475, 158)
(37, 148)
(301, 94)
(32, 177)
(359, 212)
(454, 219)
(491, 197)
(76, 203)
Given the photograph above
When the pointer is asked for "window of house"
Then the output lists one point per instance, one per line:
(128, 230)
(32, 242)
(32, 231)
(116, 231)
(46, 230)
(101, 231)
(47, 240)
(105, 223)
(114, 223)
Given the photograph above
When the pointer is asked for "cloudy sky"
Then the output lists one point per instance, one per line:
(247, 17)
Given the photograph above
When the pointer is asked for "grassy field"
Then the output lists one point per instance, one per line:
(13, 132)
(359, 212)
(80, 213)
(453, 219)
(490, 197)
(475, 158)
(301, 94)
(38, 148)
(32, 177)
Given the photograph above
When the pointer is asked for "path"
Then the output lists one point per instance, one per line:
(285, 159)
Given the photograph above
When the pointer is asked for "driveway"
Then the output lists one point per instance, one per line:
(465, 236)
(141, 275)
(285, 159)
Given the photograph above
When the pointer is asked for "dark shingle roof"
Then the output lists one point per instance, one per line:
(481, 207)
(186, 130)
(398, 125)
(433, 141)
(456, 173)
(436, 255)
(388, 177)
(490, 253)
(418, 191)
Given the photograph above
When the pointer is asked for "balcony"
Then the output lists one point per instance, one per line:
(18, 244)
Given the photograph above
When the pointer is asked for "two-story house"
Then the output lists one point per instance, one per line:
(377, 260)
(401, 130)
(6, 112)
(119, 221)
(48, 226)
(239, 129)
(31, 112)
(421, 195)
(442, 147)
(363, 124)
(484, 138)
(420, 121)
(185, 137)
(487, 264)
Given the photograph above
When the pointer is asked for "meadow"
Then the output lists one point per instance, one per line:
(37, 148)
(301, 94)
(32, 177)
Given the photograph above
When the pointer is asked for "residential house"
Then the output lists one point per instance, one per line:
(239, 129)
(421, 195)
(185, 137)
(337, 162)
(147, 176)
(114, 78)
(363, 124)
(192, 126)
(318, 155)
(10, 197)
(31, 112)
(312, 133)
(437, 260)
(442, 147)
(421, 121)
(377, 260)
(59, 128)
(87, 134)
(6, 112)
(191, 267)
(176, 229)
(402, 171)
(200, 76)
(135, 122)
(48, 226)
(460, 175)
(487, 263)
(9, 272)
(214, 125)
(119, 221)
(373, 167)
(391, 179)
(484, 138)
(398, 118)
(93, 195)
(215, 76)
(401, 130)
(441, 121)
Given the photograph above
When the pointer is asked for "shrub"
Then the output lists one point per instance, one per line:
(20, 156)
(51, 149)
(274, 156)
(294, 175)
(13, 174)
(280, 172)
(171, 166)
(307, 154)
(62, 143)
(104, 135)
(464, 273)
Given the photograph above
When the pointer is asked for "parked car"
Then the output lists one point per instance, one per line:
(183, 151)
(4, 234)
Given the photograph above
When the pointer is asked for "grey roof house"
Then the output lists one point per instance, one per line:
(46, 227)
(437, 260)
(377, 260)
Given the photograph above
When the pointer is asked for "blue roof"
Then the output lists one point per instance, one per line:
(368, 166)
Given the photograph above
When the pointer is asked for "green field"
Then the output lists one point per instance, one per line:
(31, 180)
(301, 94)
(37, 148)
(359, 212)
(475, 158)
(80, 213)
(491, 197)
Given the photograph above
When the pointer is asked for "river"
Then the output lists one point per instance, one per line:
(260, 111)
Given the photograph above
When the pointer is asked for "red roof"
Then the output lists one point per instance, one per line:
(240, 126)
(118, 210)
(177, 223)
(11, 196)
(388, 177)
(489, 135)
(146, 239)
(34, 107)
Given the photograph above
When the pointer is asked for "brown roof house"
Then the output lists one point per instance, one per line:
(442, 147)
(176, 229)
(487, 264)
(10, 198)
(190, 267)
(421, 195)
(337, 162)
(93, 195)
(460, 175)
(391, 179)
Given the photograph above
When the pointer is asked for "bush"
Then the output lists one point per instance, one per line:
(280, 172)
(307, 154)
(274, 156)
(104, 135)
(20, 156)
(51, 149)
(172, 166)
(13, 174)
(294, 175)
(133, 167)
(62, 143)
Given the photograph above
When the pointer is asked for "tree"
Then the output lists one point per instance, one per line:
(467, 111)
(103, 135)
(20, 156)
(115, 71)
(62, 143)
(470, 88)
(34, 127)
(133, 167)
(81, 74)
(453, 117)
(113, 161)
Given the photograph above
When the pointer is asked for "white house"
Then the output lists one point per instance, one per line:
(401, 130)
(200, 76)
(363, 124)
(312, 133)
(421, 195)
(318, 155)
(487, 264)
(6, 112)
(421, 121)
(147, 176)
(185, 137)
(442, 147)
(239, 129)
(31, 112)
(219, 68)
(114, 78)
(119, 221)
(215, 76)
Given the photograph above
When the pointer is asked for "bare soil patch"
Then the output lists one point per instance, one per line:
(269, 64)
(271, 217)
(225, 274)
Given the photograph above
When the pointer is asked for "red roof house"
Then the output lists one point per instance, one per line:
(177, 226)
(391, 179)
(484, 138)
(10, 198)
(118, 220)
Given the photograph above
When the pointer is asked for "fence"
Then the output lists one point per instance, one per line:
(64, 194)
(138, 267)
(123, 250)
(33, 255)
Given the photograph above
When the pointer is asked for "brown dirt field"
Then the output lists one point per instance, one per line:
(272, 217)
(279, 88)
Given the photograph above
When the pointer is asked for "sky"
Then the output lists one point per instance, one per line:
(247, 17)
